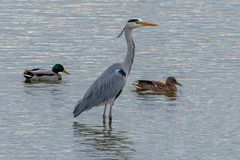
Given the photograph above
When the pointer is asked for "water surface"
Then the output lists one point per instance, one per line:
(198, 42)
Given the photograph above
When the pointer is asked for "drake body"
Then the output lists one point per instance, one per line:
(45, 74)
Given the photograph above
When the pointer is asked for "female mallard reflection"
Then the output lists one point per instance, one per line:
(99, 142)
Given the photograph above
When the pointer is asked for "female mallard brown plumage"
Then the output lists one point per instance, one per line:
(45, 74)
(157, 86)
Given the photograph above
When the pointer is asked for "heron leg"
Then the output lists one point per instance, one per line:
(104, 115)
(110, 115)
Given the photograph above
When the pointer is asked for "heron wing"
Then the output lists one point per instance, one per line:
(106, 87)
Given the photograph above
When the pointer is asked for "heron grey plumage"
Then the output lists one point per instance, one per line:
(109, 85)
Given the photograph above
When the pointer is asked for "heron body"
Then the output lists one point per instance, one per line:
(109, 85)
(104, 90)
(45, 75)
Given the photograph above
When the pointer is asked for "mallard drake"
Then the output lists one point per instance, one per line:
(45, 74)
(157, 86)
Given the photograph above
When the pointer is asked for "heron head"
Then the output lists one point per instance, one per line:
(136, 23)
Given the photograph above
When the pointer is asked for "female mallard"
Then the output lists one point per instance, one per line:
(157, 86)
(45, 74)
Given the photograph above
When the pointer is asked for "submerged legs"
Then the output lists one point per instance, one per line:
(110, 116)
(104, 115)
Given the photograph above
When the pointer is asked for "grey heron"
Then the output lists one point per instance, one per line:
(109, 85)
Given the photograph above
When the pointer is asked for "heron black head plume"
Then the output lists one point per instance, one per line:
(120, 34)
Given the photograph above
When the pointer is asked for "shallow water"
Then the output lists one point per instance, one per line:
(197, 42)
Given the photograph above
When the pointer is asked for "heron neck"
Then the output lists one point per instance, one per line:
(128, 61)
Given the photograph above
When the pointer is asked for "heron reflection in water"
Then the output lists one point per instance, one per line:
(101, 142)
(106, 88)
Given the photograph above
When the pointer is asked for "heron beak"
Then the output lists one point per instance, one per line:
(148, 24)
(66, 72)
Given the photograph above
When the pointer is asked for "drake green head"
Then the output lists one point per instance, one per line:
(59, 68)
